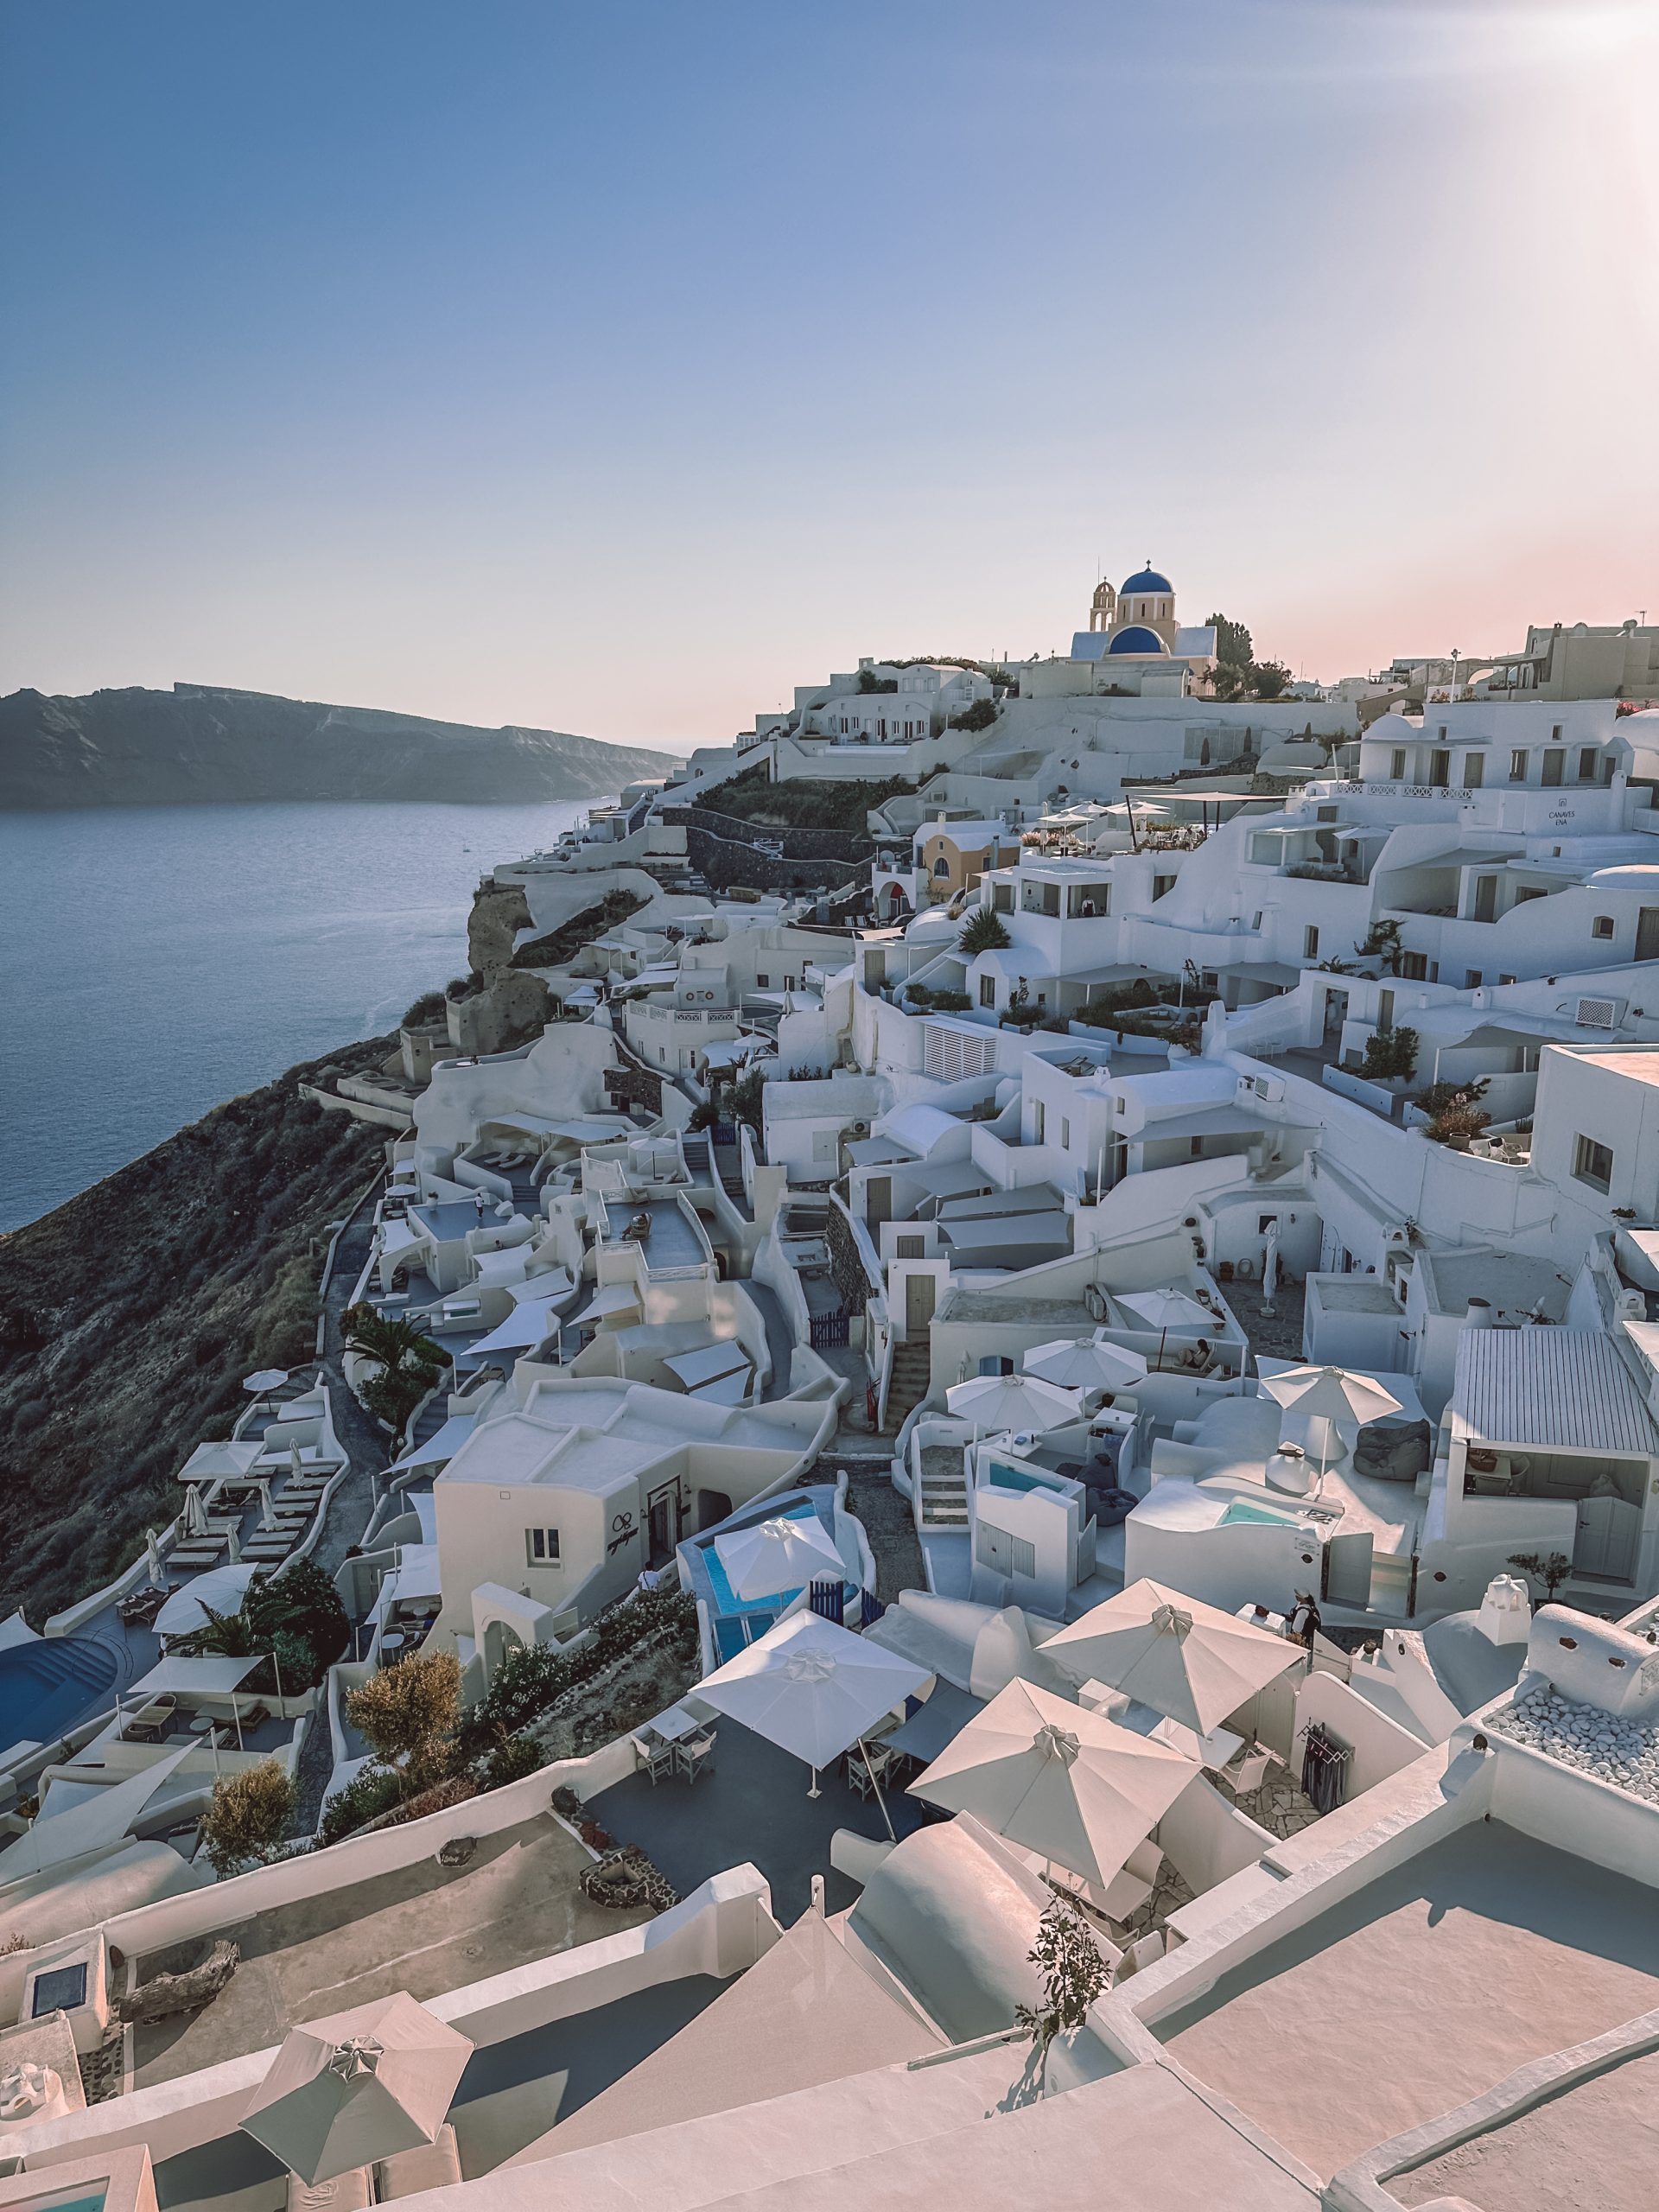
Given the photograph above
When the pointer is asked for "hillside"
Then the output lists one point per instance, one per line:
(129, 1316)
(196, 743)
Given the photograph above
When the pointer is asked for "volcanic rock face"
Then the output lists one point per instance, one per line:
(136, 748)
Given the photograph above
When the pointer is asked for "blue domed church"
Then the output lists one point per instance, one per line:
(1142, 648)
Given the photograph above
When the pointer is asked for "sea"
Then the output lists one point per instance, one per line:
(155, 960)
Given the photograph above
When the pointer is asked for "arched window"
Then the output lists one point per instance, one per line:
(941, 867)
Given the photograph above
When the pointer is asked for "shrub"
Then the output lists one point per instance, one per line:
(983, 931)
(512, 1760)
(979, 715)
(372, 1791)
(248, 1816)
(1390, 1054)
(406, 1711)
(704, 1117)
(426, 1008)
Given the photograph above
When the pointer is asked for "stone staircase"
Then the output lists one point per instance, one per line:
(943, 1501)
(912, 1367)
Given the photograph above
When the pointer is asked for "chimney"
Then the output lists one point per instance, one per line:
(1480, 1315)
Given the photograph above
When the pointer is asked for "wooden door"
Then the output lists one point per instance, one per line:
(918, 1304)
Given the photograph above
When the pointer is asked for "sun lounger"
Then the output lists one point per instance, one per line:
(347, 2192)
(410, 2173)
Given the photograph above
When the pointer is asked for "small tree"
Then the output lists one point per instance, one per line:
(1382, 942)
(1235, 648)
(1269, 679)
(405, 1712)
(983, 931)
(249, 1816)
(1391, 1053)
(1073, 1973)
(1551, 1569)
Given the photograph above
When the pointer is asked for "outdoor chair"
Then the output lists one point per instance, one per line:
(656, 1756)
(693, 1755)
(1248, 1770)
(1145, 1951)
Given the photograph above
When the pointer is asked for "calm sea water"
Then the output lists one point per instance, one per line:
(157, 960)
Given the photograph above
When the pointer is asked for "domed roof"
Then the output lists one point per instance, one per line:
(1147, 580)
(1137, 639)
(1631, 876)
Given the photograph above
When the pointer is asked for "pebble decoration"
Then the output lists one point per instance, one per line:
(1624, 1752)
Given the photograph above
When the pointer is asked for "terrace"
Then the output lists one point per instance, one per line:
(1486, 1951)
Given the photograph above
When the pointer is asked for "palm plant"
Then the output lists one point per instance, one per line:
(983, 931)
(407, 1360)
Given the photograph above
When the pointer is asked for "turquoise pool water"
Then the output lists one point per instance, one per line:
(1241, 1510)
(47, 1686)
(726, 1599)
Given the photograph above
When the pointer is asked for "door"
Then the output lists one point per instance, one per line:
(918, 1304)
(1647, 933)
(1348, 1571)
(662, 1523)
(1485, 897)
(1336, 1011)
(878, 1200)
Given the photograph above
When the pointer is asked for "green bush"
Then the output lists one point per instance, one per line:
(983, 931)
(426, 1008)
(979, 715)
(1390, 1055)
(372, 1791)
(512, 1760)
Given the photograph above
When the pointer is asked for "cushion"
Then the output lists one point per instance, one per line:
(347, 2192)
(429, 2166)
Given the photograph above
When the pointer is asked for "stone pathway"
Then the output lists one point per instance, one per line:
(1278, 1334)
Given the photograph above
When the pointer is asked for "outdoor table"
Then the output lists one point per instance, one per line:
(675, 1725)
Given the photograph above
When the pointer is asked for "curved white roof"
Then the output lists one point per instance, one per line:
(919, 1126)
(1632, 875)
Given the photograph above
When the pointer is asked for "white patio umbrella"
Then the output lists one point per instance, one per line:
(265, 1380)
(267, 1516)
(195, 1516)
(812, 1688)
(153, 1557)
(357, 2087)
(781, 1553)
(1331, 1393)
(221, 1587)
(1164, 1310)
(996, 1401)
(1186, 1660)
(1059, 1779)
(1081, 1365)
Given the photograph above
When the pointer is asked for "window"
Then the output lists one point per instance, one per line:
(1397, 764)
(1038, 1121)
(941, 867)
(763, 982)
(1506, 979)
(1264, 1222)
(910, 1247)
(1588, 757)
(1414, 966)
(1602, 926)
(1160, 884)
(1440, 769)
(1555, 733)
(1592, 1163)
(1440, 733)
(1384, 1012)
(541, 1547)
(1255, 919)
(1554, 761)
(1309, 943)
(1474, 771)
(1471, 979)
(1065, 1135)
(987, 990)
(1517, 767)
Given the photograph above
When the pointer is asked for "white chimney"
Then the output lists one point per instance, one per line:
(1480, 1315)
(1505, 1615)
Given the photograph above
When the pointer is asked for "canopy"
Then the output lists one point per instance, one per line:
(1184, 1658)
(443, 1444)
(266, 1378)
(1083, 1366)
(784, 1554)
(358, 2086)
(1332, 1393)
(221, 1587)
(528, 1325)
(1061, 1781)
(997, 1401)
(614, 1298)
(1167, 1309)
(179, 1674)
(811, 1687)
(91, 1824)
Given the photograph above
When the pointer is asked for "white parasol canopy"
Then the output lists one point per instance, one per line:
(1081, 1365)
(153, 1558)
(1059, 1779)
(221, 1587)
(1331, 1393)
(1167, 1309)
(997, 1401)
(1185, 1659)
(264, 1379)
(195, 1517)
(811, 1687)
(782, 1553)
(357, 2087)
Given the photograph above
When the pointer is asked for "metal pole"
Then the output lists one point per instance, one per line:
(876, 1786)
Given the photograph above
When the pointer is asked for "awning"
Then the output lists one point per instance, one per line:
(90, 1824)
(936, 1724)
(706, 1363)
(417, 1573)
(178, 1675)
(953, 1178)
(999, 1232)
(528, 1325)
(614, 1298)
(1210, 1121)
(1032, 1198)
(878, 1151)
(443, 1444)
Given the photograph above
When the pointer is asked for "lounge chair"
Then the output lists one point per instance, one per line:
(348, 2192)
(429, 2165)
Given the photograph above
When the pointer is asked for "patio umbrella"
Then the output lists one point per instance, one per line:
(358, 2085)
(1072, 1365)
(1164, 1310)
(265, 1380)
(996, 1401)
(1331, 1393)
(1186, 1660)
(221, 1587)
(267, 1516)
(1059, 1779)
(195, 1517)
(811, 1689)
(153, 1558)
(782, 1553)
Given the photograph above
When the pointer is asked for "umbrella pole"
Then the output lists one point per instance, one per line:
(876, 1786)
(1162, 1333)
(815, 1791)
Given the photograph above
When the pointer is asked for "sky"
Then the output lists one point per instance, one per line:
(616, 368)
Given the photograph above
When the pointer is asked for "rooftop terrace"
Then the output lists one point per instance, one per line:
(1486, 1951)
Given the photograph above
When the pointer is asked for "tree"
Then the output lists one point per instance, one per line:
(1391, 1053)
(1382, 942)
(983, 931)
(408, 1361)
(1233, 645)
(1269, 679)
(248, 1816)
(1073, 1973)
(406, 1712)
(1552, 1570)
(979, 715)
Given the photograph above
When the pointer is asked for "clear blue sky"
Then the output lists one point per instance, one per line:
(613, 367)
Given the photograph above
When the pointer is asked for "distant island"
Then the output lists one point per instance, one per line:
(202, 743)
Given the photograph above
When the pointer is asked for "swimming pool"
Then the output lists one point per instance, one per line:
(45, 1687)
(726, 1599)
(1241, 1510)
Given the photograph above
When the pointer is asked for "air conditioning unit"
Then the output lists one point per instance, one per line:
(860, 1129)
(1271, 1088)
(1598, 1013)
